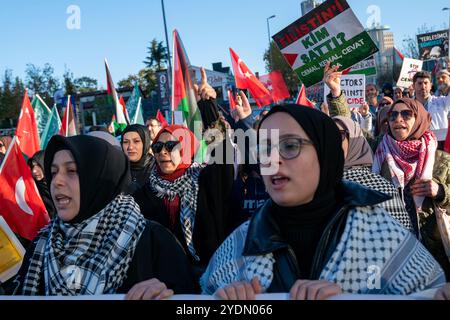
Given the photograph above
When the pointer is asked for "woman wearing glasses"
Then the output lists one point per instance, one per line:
(318, 236)
(408, 157)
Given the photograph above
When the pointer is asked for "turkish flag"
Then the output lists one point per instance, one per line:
(245, 79)
(161, 119)
(21, 204)
(231, 100)
(274, 82)
(302, 100)
(27, 132)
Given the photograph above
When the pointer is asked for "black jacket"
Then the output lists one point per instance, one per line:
(264, 237)
(158, 255)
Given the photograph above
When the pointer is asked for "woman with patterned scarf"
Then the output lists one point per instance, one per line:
(408, 157)
(99, 243)
(358, 168)
(318, 236)
(188, 198)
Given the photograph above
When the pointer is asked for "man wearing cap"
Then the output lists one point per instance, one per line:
(443, 78)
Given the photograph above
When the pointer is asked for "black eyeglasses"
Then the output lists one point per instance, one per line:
(405, 114)
(344, 134)
(169, 146)
(288, 148)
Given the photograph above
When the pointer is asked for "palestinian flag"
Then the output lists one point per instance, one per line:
(121, 119)
(183, 96)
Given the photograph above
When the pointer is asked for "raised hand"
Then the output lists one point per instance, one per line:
(204, 91)
(332, 78)
(243, 108)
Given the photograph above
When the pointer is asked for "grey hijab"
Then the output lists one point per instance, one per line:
(359, 151)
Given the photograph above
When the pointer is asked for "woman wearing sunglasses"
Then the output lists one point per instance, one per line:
(318, 236)
(188, 198)
(408, 157)
(358, 168)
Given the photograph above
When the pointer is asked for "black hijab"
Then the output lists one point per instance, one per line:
(142, 131)
(44, 191)
(324, 134)
(103, 171)
(302, 226)
(39, 158)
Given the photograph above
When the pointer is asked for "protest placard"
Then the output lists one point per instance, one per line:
(409, 69)
(366, 67)
(354, 88)
(433, 45)
(331, 32)
(11, 252)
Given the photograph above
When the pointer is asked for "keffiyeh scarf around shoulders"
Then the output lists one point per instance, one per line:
(186, 188)
(88, 258)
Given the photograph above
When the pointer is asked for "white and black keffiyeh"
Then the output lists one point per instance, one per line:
(88, 258)
(186, 188)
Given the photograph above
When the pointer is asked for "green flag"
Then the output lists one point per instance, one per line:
(42, 114)
(52, 127)
(139, 117)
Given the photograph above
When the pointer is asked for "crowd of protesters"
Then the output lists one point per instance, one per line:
(351, 190)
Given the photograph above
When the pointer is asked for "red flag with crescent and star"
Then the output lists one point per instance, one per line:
(21, 205)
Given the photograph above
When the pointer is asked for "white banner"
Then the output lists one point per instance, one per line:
(409, 69)
(354, 88)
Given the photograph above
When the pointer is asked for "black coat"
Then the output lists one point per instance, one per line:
(158, 255)
(212, 221)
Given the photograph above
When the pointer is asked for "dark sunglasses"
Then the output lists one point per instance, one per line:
(405, 114)
(169, 146)
(384, 104)
(289, 148)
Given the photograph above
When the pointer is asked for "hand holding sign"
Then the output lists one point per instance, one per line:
(332, 78)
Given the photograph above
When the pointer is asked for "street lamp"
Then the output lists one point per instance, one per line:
(270, 42)
(447, 9)
(167, 44)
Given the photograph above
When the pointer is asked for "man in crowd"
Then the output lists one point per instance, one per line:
(153, 126)
(438, 107)
(443, 78)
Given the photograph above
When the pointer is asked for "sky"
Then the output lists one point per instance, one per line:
(35, 31)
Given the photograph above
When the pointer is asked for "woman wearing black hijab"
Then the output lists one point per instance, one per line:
(136, 145)
(99, 243)
(36, 164)
(318, 236)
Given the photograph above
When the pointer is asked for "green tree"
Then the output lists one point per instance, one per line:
(69, 84)
(85, 84)
(42, 81)
(146, 79)
(157, 56)
(275, 61)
